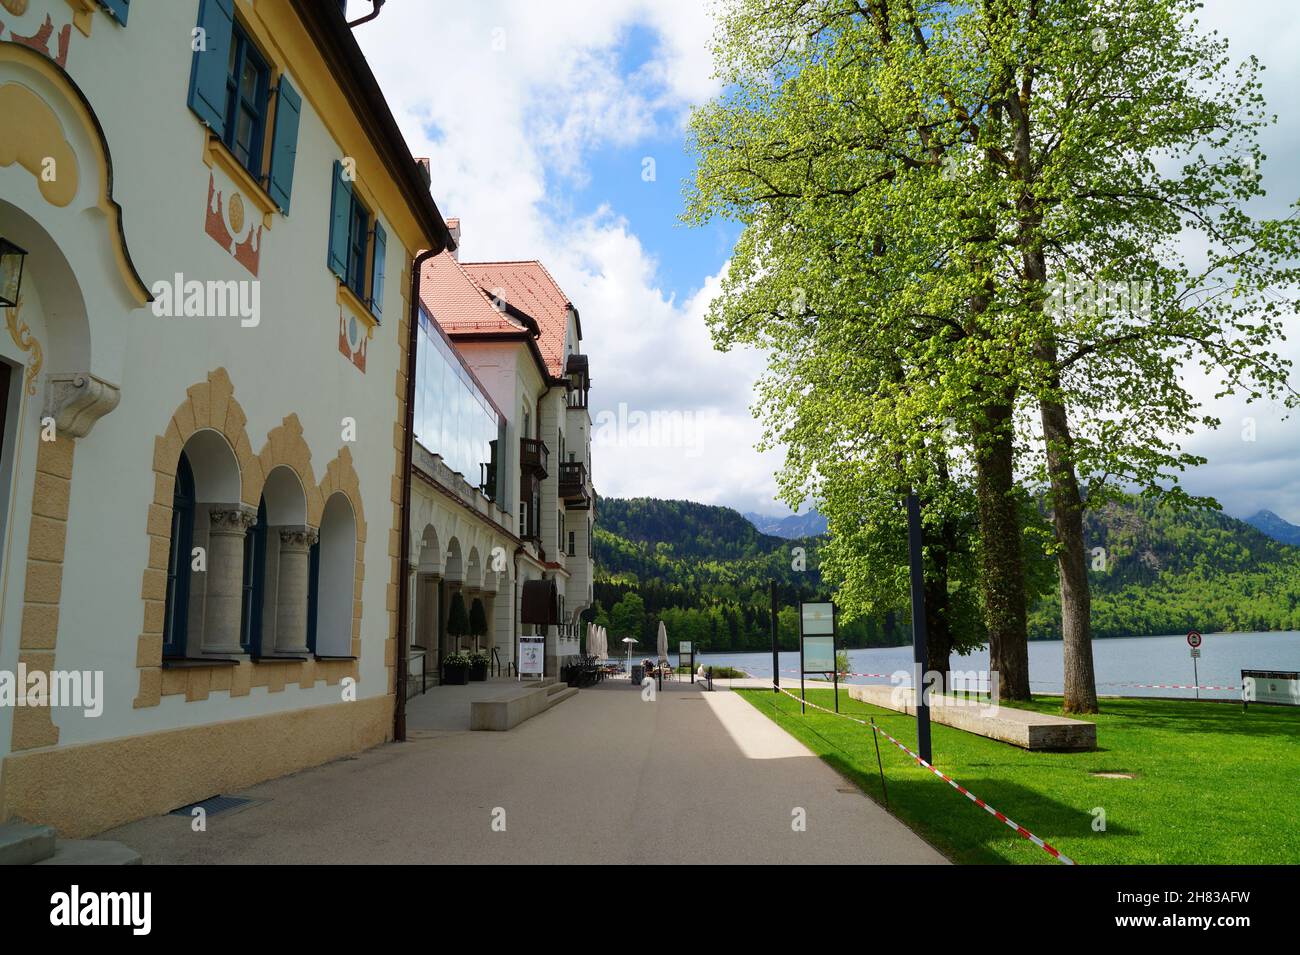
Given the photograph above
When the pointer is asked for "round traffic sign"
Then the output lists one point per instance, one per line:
(1194, 639)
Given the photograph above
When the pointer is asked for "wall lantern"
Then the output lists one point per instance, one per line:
(11, 272)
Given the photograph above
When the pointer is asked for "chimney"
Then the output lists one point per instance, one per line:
(426, 169)
(453, 226)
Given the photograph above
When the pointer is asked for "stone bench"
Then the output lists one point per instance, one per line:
(1023, 728)
(510, 709)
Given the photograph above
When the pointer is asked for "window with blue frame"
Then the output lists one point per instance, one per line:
(358, 241)
(234, 92)
(176, 615)
(250, 626)
(358, 244)
(247, 93)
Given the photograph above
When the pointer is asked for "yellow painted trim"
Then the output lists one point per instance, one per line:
(86, 788)
(212, 405)
(83, 14)
(348, 298)
(215, 154)
(27, 58)
(282, 36)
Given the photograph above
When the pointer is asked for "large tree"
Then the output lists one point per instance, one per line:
(920, 181)
(1121, 136)
(867, 279)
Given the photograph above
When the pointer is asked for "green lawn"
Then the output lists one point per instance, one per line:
(1210, 785)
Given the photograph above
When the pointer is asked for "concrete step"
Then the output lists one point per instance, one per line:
(508, 711)
(562, 695)
(91, 852)
(24, 844)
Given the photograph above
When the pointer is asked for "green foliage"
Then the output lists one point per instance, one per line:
(1181, 753)
(627, 619)
(713, 590)
(457, 617)
(1161, 570)
(478, 623)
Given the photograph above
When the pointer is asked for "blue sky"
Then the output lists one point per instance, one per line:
(537, 118)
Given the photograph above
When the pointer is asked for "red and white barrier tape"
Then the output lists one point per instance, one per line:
(1141, 686)
(1020, 830)
(1172, 686)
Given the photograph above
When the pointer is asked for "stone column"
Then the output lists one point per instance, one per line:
(227, 525)
(291, 593)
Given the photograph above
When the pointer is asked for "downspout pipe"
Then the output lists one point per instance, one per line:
(375, 6)
(408, 458)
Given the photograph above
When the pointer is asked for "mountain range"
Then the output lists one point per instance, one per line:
(1275, 527)
(791, 527)
(707, 569)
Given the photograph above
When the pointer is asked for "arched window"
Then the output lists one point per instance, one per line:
(250, 626)
(176, 616)
(333, 580)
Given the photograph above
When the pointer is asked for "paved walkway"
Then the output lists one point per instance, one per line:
(604, 777)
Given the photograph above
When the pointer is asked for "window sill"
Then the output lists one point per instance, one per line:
(194, 663)
(326, 656)
(277, 659)
(352, 300)
(215, 153)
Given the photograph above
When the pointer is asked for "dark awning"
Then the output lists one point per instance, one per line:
(541, 603)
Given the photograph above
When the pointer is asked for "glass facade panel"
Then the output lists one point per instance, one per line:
(453, 417)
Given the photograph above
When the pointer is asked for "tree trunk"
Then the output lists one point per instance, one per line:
(938, 632)
(1002, 577)
(1071, 558)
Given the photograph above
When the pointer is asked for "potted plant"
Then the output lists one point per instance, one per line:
(478, 622)
(455, 669)
(457, 618)
(478, 665)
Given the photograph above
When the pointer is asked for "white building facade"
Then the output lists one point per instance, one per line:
(520, 337)
(203, 384)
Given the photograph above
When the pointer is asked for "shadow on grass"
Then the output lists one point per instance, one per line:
(1186, 716)
(968, 834)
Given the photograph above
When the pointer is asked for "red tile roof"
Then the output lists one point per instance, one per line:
(527, 286)
(457, 303)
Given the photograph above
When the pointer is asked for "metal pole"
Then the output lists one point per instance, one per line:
(803, 695)
(879, 765)
(776, 672)
(835, 656)
(1196, 678)
(919, 653)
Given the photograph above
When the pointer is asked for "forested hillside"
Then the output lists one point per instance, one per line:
(705, 571)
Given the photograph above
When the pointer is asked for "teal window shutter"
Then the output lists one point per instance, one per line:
(340, 219)
(377, 272)
(117, 9)
(211, 62)
(284, 143)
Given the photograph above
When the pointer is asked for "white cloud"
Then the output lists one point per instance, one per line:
(511, 99)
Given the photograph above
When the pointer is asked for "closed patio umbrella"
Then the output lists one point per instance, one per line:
(663, 641)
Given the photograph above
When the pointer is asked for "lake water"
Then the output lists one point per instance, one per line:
(1119, 660)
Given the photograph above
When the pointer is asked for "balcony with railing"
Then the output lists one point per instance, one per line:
(577, 371)
(533, 456)
(573, 485)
